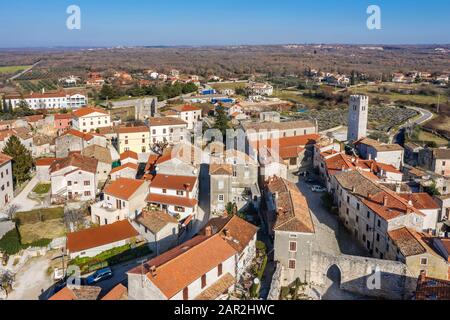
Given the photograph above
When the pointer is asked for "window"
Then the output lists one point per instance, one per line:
(378, 237)
(368, 214)
(179, 209)
(357, 219)
(367, 227)
(87, 183)
(292, 264)
(203, 281)
(347, 211)
(87, 193)
(69, 183)
(379, 223)
(164, 191)
(424, 261)
(348, 199)
(293, 236)
(221, 184)
(292, 246)
(180, 193)
(221, 197)
(219, 270)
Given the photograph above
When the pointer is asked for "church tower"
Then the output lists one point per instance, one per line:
(357, 118)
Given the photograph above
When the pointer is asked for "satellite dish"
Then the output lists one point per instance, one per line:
(256, 281)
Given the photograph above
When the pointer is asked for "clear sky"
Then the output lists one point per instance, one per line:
(42, 23)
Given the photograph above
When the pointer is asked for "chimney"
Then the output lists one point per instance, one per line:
(385, 200)
(153, 271)
(226, 231)
(208, 231)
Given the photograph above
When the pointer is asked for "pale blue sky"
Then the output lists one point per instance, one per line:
(28, 23)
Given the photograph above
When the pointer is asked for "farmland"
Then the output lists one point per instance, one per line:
(12, 69)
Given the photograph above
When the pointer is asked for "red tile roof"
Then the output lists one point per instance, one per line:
(129, 154)
(124, 130)
(420, 201)
(96, 237)
(181, 266)
(432, 289)
(119, 292)
(127, 165)
(79, 134)
(123, 188)
(171, 200)
(63, 116)
(80, 293)
(4, 158)
(82, 112)
(164, 181)
(75, 160)
(46, 161)
(186, 108)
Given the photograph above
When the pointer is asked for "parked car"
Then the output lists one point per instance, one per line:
(99, 275)
(318, 189)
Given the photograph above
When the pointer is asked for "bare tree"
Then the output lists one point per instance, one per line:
(72, 218)
(11, 211)
(6, 282)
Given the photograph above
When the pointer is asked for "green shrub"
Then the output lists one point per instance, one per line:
(11, 243)
(261, 246)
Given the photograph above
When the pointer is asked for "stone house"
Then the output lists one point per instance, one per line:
(6, 180)
(289, 221)
(136, 139)
(205, 269)
(103, 155)
(270, 130)
(370, 149)
(76, 141)
(435, 160)
(74, 178)
(168, 129)
(89, 119)
(418, 252)
(128, 170)
(158, 228)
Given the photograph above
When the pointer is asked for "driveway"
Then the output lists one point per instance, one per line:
(22, 202)
(32, 279)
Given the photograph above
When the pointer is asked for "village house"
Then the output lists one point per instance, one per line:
(73, 293)
(103, 155)
(74, 178)
(263, 89)
(168, 130)
(136, 139)
(240, 234)
(189, 114)
(6, 180)
(369, 210)
(90, 119)
(289, 221)
(62, 122)
(206, 269)
(43, 168)
(42, 146)
(75, 141)
(50, 100)
(95, 79)
(370, 149)
(416, 250)
(429, 288)
(173, 161)
(122, 199)
(158, 228)
(128, 170)
(176, 194)
(93, 241)
(270, 130)
(233, 179)
(129, 157)
(24, 135)
(435, 160)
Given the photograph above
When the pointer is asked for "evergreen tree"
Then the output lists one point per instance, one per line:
(222, 122)
(22, 159)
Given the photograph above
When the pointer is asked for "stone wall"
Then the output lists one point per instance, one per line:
(391, 281)
(275, 286)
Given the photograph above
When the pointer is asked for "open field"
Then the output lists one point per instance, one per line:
(425, 136)
(50, 229)
(12, 69)
(376, 91)
(228, 85)
(42, 188)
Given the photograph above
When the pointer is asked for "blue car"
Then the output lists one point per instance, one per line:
(99, 275)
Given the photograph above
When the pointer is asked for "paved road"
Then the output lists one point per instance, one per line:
(425, 116)
(24, 71)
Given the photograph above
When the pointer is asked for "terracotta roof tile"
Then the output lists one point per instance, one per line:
(406, 242)
(129, 154)
(166, 121)
(155, 220)
(432, 289)
(81, 293)
(75, 160)
(127, 165)
(179, 267)
(171, 200)
(172, 182)
(123, 188)
(220, 287)
(421, 201)
(119, 292)
(4, 158)
(82, 112)
(96, 237)
(125, 130)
